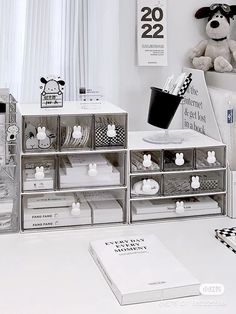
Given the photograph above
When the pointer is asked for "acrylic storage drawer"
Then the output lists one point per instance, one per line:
(175, 208)
(76, 132)
(107, 206)
(145, 161)
(38, 173)
(110, 131)
(40, 133)
(92, 170)
(178, 160)
(55, 210)
(213, 157)
(199, 182)
(146, 186)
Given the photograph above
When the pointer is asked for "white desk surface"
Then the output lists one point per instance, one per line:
(53, 273)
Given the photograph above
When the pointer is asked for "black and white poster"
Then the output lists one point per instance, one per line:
(152, 32)
(51, 92)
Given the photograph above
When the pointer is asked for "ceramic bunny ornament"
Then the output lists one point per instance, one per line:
(211, 157)
(75, 211)
(179, 160)
(92, 172)
(146, 187)
(39, 173)
(147, 161)
(41, 135)
(77, 134)
(195, 184)
(179, 207)
(111, 130)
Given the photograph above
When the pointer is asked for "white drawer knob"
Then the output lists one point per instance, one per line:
(211, 157)
(75, 211)
(179, 207)
(77, 134)
(179, 159)
(195, 184)
(92, 172)
(111, 130)
(147, 162)
(41, 135)
(39, 173)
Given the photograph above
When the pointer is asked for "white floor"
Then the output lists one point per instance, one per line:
(53, 273)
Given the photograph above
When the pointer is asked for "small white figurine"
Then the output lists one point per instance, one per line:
(39, 173)
(147, 162)
(179, 160)
(12, 132)
(77, 134)
(75, 211)
(111, 130)
(41, 135)
(211, 157)
(45, 143)
(195, 184)
(146, 187)
(179, 207)
(92, 172)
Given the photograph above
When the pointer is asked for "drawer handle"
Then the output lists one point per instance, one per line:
(77, 134)
(179, 207)
(179, 159)
(195, 184)
(147, 162)
(111, 130)
(39, 173)
(92, 172)
(41, 135)
(211, 157)
(75, 211)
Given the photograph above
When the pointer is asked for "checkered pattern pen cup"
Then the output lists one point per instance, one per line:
(162, 108)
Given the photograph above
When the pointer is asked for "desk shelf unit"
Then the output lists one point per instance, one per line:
(176, 180)
(73, 166)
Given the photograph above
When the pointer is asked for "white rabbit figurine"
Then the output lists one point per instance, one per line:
(195, 184)
(179, 160)
(111, 130)
(77, 134)
(179, 207)
(41, 135)
(211, 157)
(75, 211)
(147, 162)
(39, 173)
(92, 172)
(146, 187)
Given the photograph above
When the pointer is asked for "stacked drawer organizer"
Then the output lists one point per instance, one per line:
(9, 170)
(74, 166)
(176, 180)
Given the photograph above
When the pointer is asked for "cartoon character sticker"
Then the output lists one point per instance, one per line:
(52, 92)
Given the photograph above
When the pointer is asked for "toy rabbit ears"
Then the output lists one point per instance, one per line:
(227, 10)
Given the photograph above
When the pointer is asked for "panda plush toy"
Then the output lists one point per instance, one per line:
(218, 52)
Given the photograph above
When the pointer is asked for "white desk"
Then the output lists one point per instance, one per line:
(53, 273)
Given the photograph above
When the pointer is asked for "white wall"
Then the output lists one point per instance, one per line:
(184, 32)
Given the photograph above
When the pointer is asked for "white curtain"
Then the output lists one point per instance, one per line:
(74, 39)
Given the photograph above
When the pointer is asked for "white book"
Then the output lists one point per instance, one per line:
(160, 206)
(50, 200)
(141, 269)
(86, 159)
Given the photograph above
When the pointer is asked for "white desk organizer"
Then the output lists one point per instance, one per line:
(74, 163)
(176, 180)
(9, 170)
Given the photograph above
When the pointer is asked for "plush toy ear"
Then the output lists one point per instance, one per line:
(233, 9)
(202, 13)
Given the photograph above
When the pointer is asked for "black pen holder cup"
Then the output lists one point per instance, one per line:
(162, 108)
